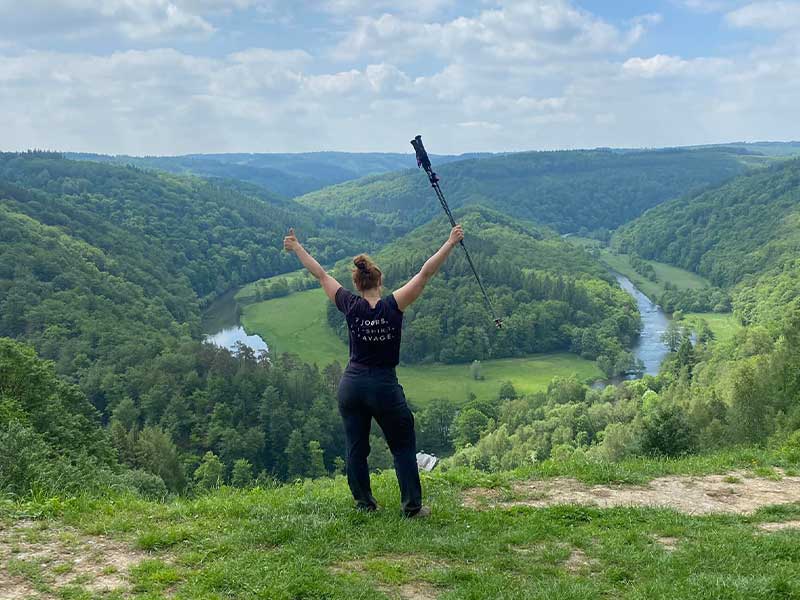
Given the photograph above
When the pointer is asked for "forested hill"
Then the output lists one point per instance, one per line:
(568, 191)
(552, 295)
(288, 175)
(746, 232)
(103, 267)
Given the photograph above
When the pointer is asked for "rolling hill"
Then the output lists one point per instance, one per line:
(568, 191)
(287, 175)
(103, 267)
(742, 235)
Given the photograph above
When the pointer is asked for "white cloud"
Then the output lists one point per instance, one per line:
(513, 76)
(518, 30)
(350, 8)
(133, 19)
(779, 15)
(662, 65)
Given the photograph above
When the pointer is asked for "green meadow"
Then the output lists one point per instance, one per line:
(297, 323)
(680, 278)
(724, 325)
(305, 541)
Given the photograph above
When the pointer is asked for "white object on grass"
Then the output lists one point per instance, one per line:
(426, 462)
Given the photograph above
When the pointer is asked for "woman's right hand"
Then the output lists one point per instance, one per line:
(456, 235)
(290, 242)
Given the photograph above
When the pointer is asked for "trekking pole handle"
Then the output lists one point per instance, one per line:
(422, 156)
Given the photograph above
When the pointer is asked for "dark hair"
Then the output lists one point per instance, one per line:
(366, 275)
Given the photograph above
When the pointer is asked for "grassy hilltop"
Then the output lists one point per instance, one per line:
(305, 540)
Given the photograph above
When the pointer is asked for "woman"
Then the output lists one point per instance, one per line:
(369, 386)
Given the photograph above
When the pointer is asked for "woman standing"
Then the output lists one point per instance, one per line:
(369, 387)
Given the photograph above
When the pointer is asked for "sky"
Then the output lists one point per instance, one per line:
(198, 76)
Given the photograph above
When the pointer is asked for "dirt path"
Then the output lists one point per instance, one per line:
(38, 559)
(737, 492)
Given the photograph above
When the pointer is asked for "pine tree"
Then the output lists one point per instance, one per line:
(210, 473)
(296, 456)
(242, 475)
(316, 456)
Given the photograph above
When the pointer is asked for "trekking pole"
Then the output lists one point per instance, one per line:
(425, 163)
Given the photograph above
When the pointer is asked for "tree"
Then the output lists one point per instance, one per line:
(242, 474)
(468, 426)
(667, 432)
(126, 413)
(156, 453)
(747, 416)
(297, 459)
(685, 356)
(507, 391)
(316, 460)
(673, 336)
(210, 473)
(435, 425)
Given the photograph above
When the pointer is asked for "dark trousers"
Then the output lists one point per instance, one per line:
(364, 393)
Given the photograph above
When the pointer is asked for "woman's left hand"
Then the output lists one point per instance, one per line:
(290, 242)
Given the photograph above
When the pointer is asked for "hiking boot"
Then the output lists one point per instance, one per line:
(422, 513)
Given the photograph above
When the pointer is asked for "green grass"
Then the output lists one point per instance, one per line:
(680, 278)
(724, 325)
(532, 374)
(297, 323)
(306, 541)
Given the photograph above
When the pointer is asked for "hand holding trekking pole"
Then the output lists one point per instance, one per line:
(290, 242)
(424, 162)
(456, 235)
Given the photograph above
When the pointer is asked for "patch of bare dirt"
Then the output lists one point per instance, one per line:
(410, 590)
(779, 526)
(692, 495)
(16, 591)
(37, 558)
(578, 562)
(417, 590)
(670, 544)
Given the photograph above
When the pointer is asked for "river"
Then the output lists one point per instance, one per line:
(649, 349)
(222, 328)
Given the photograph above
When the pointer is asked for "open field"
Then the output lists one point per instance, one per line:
(490, 536)
(724, 325)
(297, 323)
(680, 278)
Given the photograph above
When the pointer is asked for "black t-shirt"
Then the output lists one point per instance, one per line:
(374, 332)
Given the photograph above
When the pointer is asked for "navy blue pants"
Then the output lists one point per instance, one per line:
(364, 393)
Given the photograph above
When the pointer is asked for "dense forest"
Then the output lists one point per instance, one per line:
(568, 191)
(287, 175)
(102, 268)
(744, 235)
(709, 394)
(104, 271)
(552, 295)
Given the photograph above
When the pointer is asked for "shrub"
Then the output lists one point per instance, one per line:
(790, 451)
(145, 484)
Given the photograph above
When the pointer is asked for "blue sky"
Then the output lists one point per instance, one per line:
(181, 76)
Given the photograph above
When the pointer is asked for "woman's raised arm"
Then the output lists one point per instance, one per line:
(328, 283)
(406, 295)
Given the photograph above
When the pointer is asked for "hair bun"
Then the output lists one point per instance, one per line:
(366, 275)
